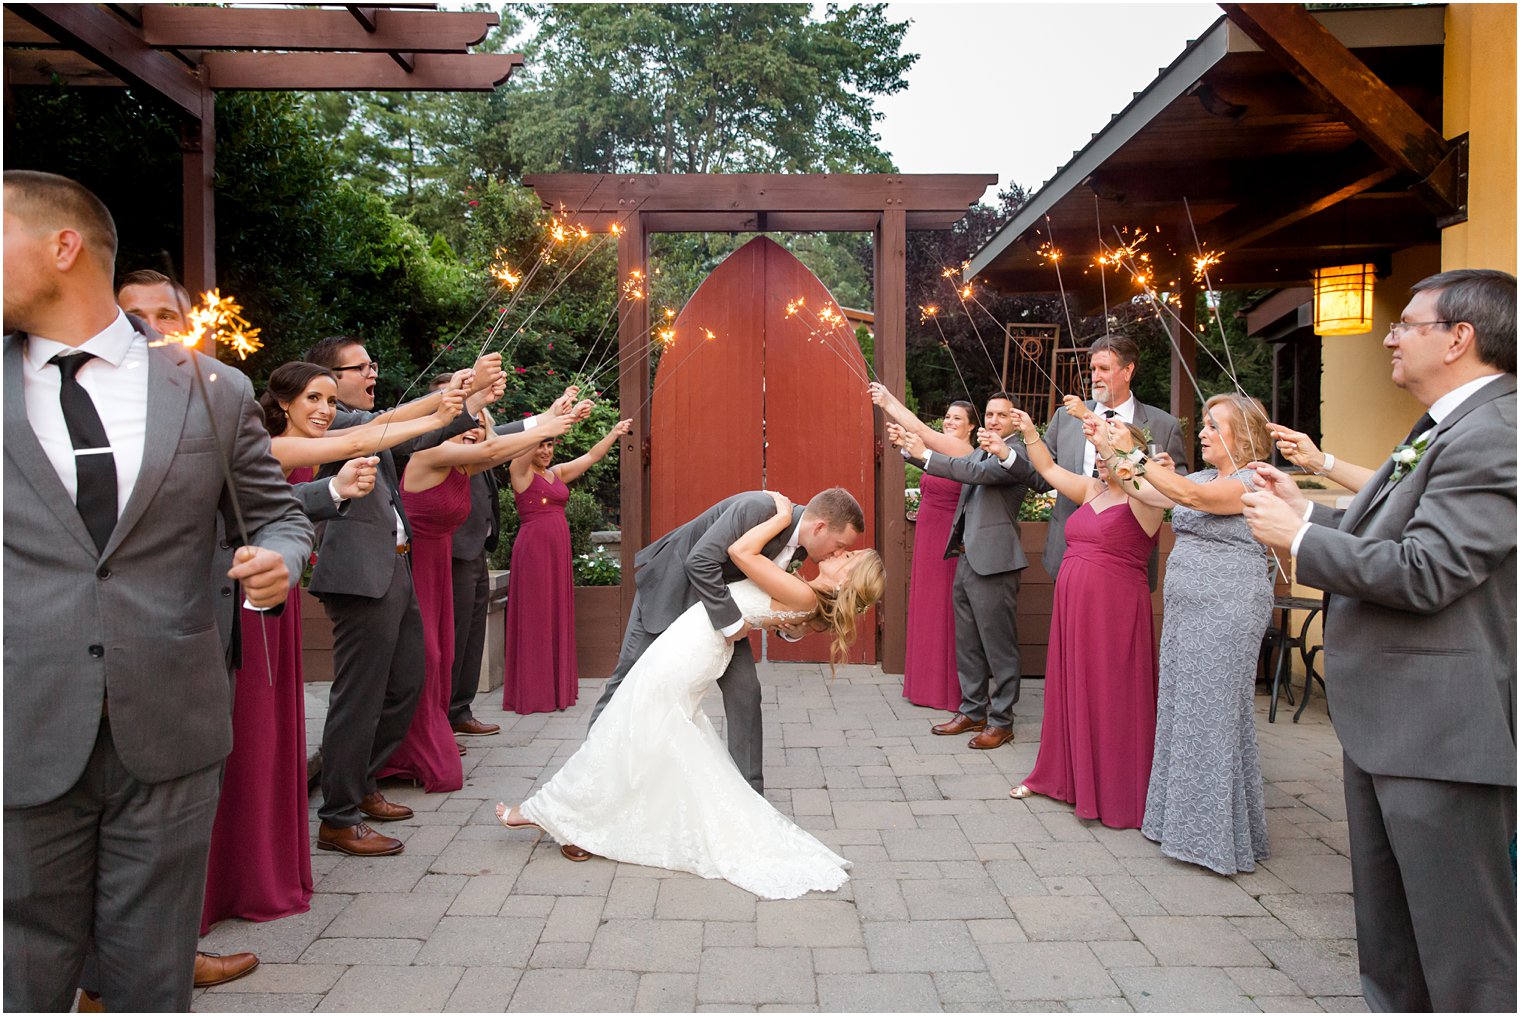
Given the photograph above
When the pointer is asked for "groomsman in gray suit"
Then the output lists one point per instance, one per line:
(1419, 577)
(985, 534)
(1112, 361)
(117, 701)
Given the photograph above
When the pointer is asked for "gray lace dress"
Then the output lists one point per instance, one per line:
(1205, 804)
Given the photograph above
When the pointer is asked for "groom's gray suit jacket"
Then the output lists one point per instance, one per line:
(691, 562)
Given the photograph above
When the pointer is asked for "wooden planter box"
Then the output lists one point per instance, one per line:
(598, 633)
(1037, 593)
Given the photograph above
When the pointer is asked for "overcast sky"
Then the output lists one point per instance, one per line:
(1016, 88)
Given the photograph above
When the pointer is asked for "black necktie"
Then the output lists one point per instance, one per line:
(1108, 414)
(1423, 424)
(94, 465)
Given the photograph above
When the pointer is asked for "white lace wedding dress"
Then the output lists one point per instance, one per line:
(654, 784)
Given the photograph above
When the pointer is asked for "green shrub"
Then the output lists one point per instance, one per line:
(582, 513)
(598, 569)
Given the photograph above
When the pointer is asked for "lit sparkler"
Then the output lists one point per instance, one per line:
(219, 318)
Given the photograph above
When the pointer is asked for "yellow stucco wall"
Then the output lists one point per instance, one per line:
(1480, 101)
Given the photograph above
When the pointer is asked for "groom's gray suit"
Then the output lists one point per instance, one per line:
(1420, 671)
(108, 818)
(690, 564)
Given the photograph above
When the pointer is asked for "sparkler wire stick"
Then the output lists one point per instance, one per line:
(1022, 355)
(1202, 264)
(932, 313)
(221, 452)
(960, 295)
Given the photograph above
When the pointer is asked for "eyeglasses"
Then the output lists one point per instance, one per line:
(1398, 328)
(369, 367)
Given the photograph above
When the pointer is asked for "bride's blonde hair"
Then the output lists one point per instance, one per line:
(840, 609)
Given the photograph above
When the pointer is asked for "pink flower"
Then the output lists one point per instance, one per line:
(474, 204)
(522, 370)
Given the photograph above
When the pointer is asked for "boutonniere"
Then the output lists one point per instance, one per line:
(1406, 456)
(794, 565)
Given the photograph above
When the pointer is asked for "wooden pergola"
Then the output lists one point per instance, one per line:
(886, 205)
(185, 55)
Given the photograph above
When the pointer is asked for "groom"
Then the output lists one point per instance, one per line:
(691, 563)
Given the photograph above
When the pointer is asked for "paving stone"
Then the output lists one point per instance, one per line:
(484, 989)
(811, 802)
(1319, 966)
(631, 897)
(1329, 874)
(734, 934)
(647, 946)
(1069, 885)
(527, 906)
(256, 1002)
(281, 941)
(484, 857)
(1099, 1005)
(757, 976)
(574, 919)
(482, 896)
(1180, 989)
(877, 993)
(1314, 915)
(1254, 981)
(1068, 919)
(997, 930)
(1286, 1003)
(1122, 954)
(957, 988)
(1066, 827)
(1341, 1003)
(1194, 896)
(815, 923)
(841, 961)
(1027, 971)
(880, 900)
(396, 874)
(350, 951)
(1015, 878)
(973, 788)
(871, 814)
(388, 915)
(1196, 942)
(666, 993)
(1070, 858)
(378, 988)
(928, 844)
(575, 991)
(440, 885)
(559, 955)
(957, 899)
(550, 874)
(703, 899)
(482, 941)
(921, 946)
(285, 978)
(1261, 929)
(429, 839)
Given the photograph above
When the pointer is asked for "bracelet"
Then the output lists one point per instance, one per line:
(1325, 469)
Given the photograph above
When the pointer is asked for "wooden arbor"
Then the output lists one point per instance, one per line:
(886, 205)
(184, 55)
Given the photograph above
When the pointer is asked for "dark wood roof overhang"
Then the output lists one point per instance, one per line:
(1277, 181)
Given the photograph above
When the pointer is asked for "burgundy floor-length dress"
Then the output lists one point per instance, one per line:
(260, 864)
(429, 754)
(1099, 729)
(541, 671)
(929, 674)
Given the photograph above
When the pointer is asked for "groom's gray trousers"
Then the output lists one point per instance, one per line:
(741, 696)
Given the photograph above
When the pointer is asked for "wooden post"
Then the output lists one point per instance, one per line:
(1185, 366)
(892, 368)
(633, 393)
(198, 165)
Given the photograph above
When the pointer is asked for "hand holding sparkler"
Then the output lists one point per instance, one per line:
(265, 579)
(554, 426)
(356, 478)
(992, 443)
(562, 405)
(1273, 521)
(1280, 484)
(1025, 425)
(880, 396)
(487, 370)
(450, 405)
(622, 427)
(1297, 447)
(905, 439)
(1076, 407)
(582, 410)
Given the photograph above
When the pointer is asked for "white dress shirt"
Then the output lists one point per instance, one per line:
(1439, 410)
(116, 381)
(783, 560)
(1125, 411)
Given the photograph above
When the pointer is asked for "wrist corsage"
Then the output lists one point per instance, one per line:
(1127, 467)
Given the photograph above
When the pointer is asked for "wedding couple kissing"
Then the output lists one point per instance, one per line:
(652, 783)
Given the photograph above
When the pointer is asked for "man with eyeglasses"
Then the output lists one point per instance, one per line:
(364, 580)
(1419, 576)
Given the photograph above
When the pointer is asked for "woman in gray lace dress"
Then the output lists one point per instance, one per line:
(1205, 803)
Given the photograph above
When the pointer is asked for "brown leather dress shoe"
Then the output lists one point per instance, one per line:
(214, 968)
(90, 1001)
(992, 737)
(375, 806)
(957, 724)
(573, 853)
(359, 840)
(476, 728)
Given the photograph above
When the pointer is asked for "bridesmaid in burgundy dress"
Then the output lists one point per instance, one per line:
(541, 671)
(929, 672)
(1099, 728)
(260, 864)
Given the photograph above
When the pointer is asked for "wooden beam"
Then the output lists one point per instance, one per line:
(333, 72)
(1184, 343)
(1296, 199)
(406, 61)
(1378, 115)
(759, 192)
(287, 29)
(198, 167)
(117, 47)
(25, 67)
(891, 331)
(633, 397)
(19, 33)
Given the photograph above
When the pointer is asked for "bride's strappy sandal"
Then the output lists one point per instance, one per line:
(1020, 792)
(501, 816)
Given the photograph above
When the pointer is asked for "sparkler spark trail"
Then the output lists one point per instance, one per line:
(219, 318)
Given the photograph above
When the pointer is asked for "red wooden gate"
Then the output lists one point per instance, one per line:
(749, 396)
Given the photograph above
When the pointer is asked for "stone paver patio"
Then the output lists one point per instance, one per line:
(961, 899)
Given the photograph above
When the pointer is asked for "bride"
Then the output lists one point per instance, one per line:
(654, 785)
